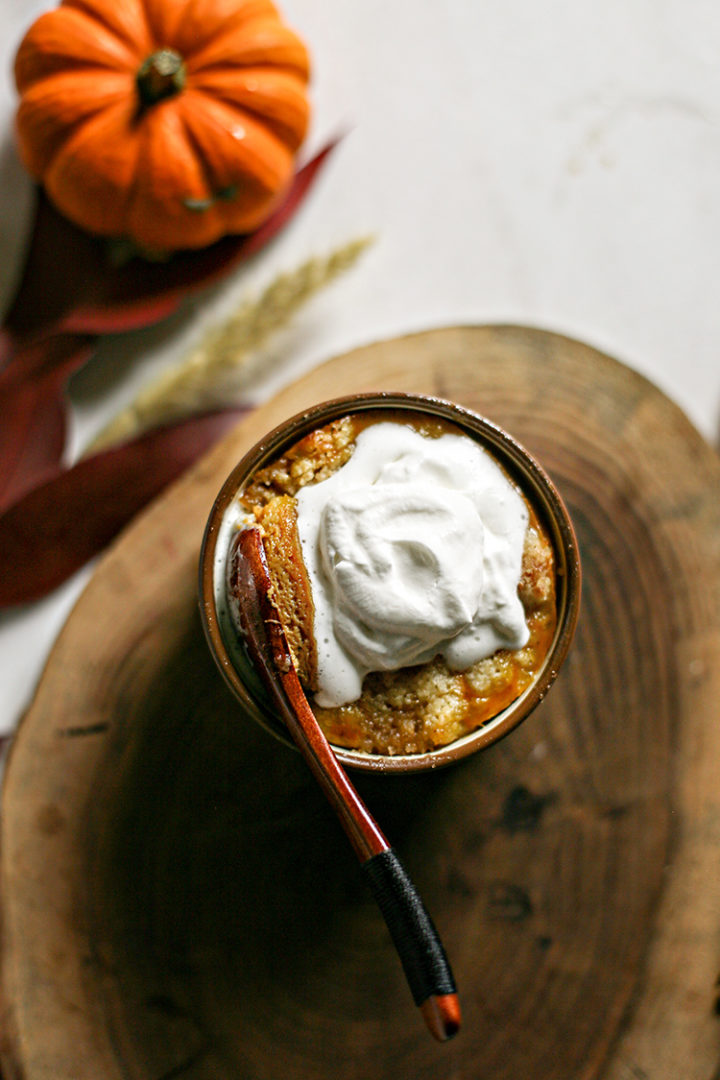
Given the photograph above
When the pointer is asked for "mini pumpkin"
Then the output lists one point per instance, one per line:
(173, 122)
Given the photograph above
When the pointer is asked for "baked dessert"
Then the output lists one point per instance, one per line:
(401, 705)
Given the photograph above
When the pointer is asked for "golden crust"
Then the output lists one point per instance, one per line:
(291, 586)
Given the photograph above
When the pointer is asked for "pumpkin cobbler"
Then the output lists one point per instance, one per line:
(389, 688)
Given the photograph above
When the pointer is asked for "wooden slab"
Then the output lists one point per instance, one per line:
(177, 901)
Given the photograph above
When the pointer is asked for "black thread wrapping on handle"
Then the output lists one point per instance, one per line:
(420, 950)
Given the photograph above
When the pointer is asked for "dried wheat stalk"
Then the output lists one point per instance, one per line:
(221, 365)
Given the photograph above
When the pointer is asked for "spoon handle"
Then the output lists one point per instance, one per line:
(415, 938)
(417, 943)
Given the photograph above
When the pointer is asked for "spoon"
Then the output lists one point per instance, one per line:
(411, 929)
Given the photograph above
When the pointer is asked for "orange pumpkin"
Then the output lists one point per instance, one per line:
(173, 122)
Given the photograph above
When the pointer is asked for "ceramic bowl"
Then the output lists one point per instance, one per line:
(227, 648)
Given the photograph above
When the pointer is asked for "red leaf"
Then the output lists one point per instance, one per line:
(33, 412)
(83, 293)
(32, 439)
(59, 526)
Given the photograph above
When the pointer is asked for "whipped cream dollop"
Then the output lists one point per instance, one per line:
(414, 549)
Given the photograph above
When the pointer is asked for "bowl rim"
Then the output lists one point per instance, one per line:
(521, 466)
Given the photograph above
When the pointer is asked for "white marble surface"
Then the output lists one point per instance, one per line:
(555, 164)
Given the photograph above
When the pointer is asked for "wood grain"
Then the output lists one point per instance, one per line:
(178, 900)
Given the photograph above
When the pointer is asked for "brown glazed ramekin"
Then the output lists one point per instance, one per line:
(227, 648)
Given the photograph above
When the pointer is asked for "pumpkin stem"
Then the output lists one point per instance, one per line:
(162, 75)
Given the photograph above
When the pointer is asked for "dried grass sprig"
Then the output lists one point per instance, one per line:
(218, 368)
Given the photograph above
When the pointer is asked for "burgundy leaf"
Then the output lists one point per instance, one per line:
(8, 348)
(59, 355)
(69, 285)
(33, 413)
(32, 439)
(56, 528)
